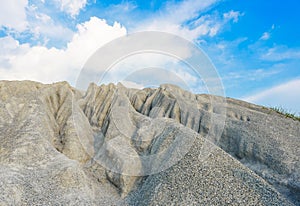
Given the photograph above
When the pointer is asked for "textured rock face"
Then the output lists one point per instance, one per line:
(116, 146)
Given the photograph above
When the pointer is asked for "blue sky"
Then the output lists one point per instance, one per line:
(254, 45)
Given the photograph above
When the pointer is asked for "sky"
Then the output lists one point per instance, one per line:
(253, 44)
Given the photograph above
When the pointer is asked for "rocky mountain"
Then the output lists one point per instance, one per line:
(111, 145)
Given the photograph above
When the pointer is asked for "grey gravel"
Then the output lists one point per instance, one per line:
(61, 146)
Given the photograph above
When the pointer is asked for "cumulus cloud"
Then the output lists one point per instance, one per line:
(13, 15)
(285, 95)
(72, 7)
(22, 61)
(45, 64)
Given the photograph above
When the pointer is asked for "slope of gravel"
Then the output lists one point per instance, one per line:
(112, 145)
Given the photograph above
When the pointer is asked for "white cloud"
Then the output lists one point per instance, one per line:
(23, 18)
(251, 75)
(185, 10)
(20, 61)
(167, 20)
(279, 53)
(13, 14)
(72, 7)
(126, 6)
(44, 28)
(265, 36)
(186, 21)
(93, 34)
(232, 15)
(149, 69)
(133, 85)
(285, 95)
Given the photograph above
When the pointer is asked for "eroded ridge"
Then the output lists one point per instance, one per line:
(112, 145)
